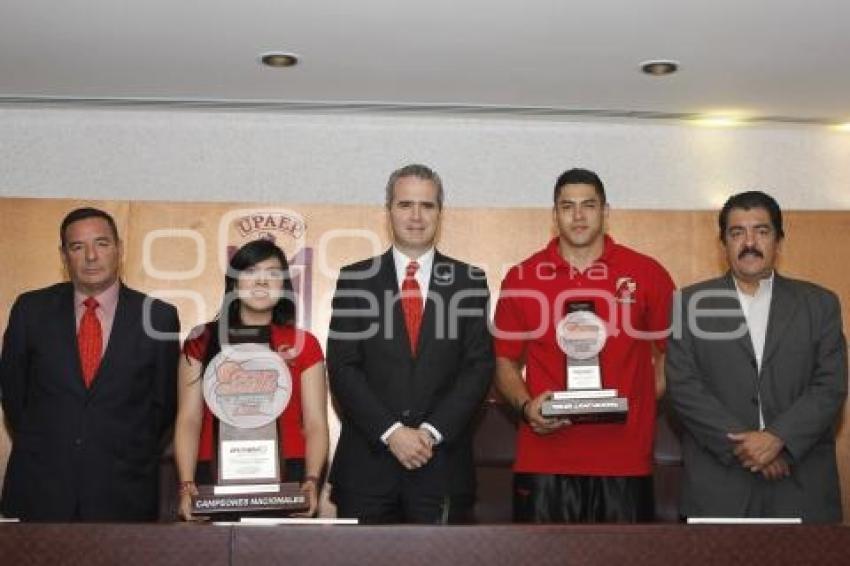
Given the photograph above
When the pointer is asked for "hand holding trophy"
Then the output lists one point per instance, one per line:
(582, 335)
(247, 386)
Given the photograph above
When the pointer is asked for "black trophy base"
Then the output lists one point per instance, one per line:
(285, 497)
(588, 410)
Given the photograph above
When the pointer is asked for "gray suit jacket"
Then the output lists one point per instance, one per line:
(713, 385)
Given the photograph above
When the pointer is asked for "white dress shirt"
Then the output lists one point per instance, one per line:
(423, 274)
(756, 312)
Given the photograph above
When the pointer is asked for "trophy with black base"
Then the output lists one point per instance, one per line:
(581, 336)
(247, 386)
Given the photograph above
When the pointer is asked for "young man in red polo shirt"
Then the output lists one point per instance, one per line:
(600, 472)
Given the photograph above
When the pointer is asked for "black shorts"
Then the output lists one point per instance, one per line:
(551, 498)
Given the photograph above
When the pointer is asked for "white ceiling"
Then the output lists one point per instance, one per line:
(764, 58)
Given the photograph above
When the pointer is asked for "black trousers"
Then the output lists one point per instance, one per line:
(551, 498)
(409, 504)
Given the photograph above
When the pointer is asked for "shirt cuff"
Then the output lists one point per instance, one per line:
(386, 436)
(438, 438)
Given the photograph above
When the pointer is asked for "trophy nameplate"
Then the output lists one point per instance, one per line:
(247, 386)
(581, 335)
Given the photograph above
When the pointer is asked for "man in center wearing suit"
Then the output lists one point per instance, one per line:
(757, 371)
(410, 361)
(88, 376)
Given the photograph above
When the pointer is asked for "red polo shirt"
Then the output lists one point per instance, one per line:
(631, 292)
(291, 430)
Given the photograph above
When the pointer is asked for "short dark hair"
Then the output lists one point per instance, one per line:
(419, 171)
(81, 214)
(578, 176)
(747, 201)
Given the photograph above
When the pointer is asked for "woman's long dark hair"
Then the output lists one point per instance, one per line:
(245, 257)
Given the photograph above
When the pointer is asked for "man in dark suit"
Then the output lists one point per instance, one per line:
(410, 361)
(757, 371)
(88, 376)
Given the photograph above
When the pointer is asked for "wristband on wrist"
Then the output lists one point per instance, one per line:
(314, 479)
(185, 487)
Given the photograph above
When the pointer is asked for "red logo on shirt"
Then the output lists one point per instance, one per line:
(625, 290)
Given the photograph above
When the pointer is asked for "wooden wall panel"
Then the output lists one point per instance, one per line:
(684, 241)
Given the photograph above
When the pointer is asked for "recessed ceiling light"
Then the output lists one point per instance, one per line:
(278, 59)
(659, 67)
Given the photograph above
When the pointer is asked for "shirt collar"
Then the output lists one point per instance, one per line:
(401, 260)
(107, 300)
(765, 285)
(608, 249)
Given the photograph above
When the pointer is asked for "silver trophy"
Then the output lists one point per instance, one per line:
(247, 386)
(581, 335)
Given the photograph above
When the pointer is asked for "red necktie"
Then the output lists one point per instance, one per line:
(90, 341)
(411, 304)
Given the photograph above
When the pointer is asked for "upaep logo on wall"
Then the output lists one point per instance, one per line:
(288, 230)
(266, 223)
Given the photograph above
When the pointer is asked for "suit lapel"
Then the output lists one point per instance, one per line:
(733, 323)
(783, 304)
(122, 325)
(388, 285)
(440, 283)
(68, 338)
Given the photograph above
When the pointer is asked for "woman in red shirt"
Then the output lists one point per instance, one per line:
(258, 292)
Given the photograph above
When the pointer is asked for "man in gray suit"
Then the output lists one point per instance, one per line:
(757, 372)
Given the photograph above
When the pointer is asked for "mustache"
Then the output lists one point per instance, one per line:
(749, 250)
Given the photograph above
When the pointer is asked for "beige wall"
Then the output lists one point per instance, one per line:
(684, 241)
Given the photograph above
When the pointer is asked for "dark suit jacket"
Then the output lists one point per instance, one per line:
(77, 452)
(376, 381)
(714, 386)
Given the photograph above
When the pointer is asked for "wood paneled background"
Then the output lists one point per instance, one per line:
(816, 248)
